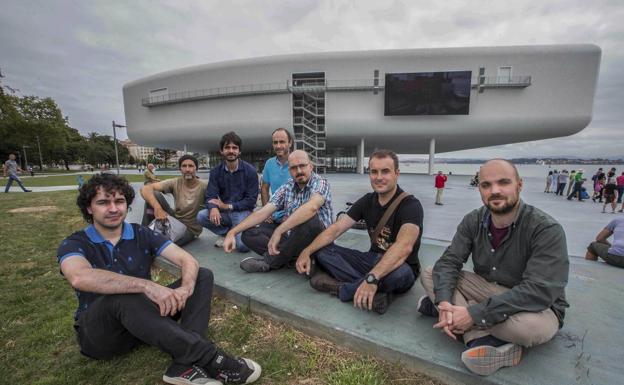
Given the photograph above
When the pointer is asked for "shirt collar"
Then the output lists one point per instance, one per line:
(238, 166)
(95, 237)
(488, 216)
(281, 165)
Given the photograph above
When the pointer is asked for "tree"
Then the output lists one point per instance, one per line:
(164, 154)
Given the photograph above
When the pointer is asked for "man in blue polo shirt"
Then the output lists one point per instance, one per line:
(232, 192)
(119, 307)
(275, 172)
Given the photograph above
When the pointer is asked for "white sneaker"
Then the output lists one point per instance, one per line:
(219, 242)
(485, 360)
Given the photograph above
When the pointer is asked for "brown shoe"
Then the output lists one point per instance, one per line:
(322, 281)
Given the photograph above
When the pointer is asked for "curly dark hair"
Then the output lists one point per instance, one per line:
(109, 183)
(231, 137)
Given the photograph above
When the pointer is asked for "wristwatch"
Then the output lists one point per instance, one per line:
(371, 279)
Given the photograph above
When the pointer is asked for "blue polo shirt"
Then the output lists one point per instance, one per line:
(132, 255)
(275, 175)
(238, 188)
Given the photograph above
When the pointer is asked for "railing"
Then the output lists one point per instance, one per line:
(317, 86)
(218, 92)
(501, 81)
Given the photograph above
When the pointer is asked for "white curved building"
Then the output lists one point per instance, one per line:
(436, 100)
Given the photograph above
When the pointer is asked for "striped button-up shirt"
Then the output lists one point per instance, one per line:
(289, 197)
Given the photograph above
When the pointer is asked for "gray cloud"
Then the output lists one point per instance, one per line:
(81, 53)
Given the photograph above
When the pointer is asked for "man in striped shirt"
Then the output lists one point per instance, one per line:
(306, 202)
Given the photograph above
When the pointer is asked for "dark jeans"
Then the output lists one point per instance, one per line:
(576, 190)
(351, 266)
(620, 190)
(115, 324)
(290, 246)
(148, 217)
(10, 182)
(560, 188)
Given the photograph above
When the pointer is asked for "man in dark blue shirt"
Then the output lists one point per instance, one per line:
(232, 192)
(119, 307)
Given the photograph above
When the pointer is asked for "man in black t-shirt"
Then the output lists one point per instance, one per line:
(391, 265)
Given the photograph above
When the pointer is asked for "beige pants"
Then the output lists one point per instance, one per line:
(439, 195)
(524, 328)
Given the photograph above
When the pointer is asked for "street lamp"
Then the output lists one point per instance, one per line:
(115, 125)
(25, 157)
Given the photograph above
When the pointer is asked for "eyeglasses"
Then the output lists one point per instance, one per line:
(295, 167)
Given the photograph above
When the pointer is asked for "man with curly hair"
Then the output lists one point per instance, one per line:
(120, 307)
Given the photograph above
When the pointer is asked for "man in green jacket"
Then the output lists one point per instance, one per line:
(516, 296)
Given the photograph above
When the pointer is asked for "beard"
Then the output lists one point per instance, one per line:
(506, 208)
(188, 176)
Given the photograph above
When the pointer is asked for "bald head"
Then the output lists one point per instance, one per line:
(499, 162)
(300, 167)
(298, 155)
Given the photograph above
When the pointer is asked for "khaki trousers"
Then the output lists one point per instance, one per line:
(524, 328)
(439, 195)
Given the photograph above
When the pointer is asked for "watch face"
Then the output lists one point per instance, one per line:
(370, 278)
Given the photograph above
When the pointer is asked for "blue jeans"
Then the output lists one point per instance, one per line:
(10, 182)
(229, 219)
(351, 266)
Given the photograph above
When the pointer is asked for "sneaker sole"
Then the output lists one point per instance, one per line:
(485, 360)
(257, 371)
(243, 266)
(182, 381)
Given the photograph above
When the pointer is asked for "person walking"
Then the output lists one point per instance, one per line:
(561, 182)
(10, 169)
(578, 186)
(571, 181)
(548, 182)
(620, 187)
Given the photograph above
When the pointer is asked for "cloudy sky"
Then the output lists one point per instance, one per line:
(82, 52)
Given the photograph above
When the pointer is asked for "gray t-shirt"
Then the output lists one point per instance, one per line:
(11, 166)
(617, 227)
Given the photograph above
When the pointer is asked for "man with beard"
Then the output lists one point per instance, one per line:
(232, 192)
(120, 307)
(188, 193)
(275, 172)
(391, 265)
(306, 202)
(516, 295)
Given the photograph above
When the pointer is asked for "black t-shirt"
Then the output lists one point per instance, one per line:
(409, 211)
(609, 189)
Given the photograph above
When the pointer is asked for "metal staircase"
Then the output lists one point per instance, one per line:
(308, 93)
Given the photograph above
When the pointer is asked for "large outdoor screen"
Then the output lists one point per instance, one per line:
(427, 93)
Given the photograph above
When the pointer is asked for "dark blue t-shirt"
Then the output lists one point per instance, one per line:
(132, 255)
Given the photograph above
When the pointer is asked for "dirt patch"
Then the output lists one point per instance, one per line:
(34, 209)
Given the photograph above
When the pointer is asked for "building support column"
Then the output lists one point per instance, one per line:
(431, 155)
(185, 150)
(360, 157)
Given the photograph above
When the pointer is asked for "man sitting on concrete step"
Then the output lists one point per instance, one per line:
(306, 202)
(516, 295)
(394, 220)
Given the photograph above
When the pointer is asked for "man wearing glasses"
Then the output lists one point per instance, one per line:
(306, 202)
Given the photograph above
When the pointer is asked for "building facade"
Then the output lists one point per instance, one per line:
(343, 105)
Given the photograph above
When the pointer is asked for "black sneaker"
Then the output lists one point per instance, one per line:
(426, 307)
(231, 370)
(189, 376)
(322, 281)
(381, 301)
(254, 265)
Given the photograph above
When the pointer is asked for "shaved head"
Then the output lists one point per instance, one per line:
(504, 162)
(299, 154)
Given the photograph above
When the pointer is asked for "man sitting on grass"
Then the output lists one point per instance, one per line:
(119, 307)
(516, 295)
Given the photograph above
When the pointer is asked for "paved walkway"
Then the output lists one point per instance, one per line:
(586, 351)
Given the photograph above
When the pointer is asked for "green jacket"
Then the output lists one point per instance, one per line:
(532, 260)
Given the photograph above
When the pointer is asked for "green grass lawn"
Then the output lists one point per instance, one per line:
(68, 180)
(38, 346)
